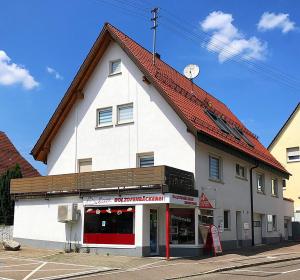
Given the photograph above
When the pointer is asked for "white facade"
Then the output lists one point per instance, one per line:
(157, 129)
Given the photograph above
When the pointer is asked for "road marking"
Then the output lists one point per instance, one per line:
(289, 271)
(34, 271)
(70, 275)
(256, 271)
(13, 265)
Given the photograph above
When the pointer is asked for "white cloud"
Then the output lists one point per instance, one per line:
(270, 21)
(11, 73)
(53, 72)
(228, 41)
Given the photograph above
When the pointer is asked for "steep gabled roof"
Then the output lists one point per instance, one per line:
(284, 125)
(173, 86)
(9, 157)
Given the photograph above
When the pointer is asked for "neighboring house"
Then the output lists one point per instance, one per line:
(9, 157)
(125, 115)
(285, 147)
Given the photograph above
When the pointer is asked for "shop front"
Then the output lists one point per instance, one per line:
(142, 221)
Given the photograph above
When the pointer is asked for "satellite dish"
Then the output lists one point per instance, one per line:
(191, 71)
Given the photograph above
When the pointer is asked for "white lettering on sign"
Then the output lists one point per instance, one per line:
(109, 200)
(141, 199)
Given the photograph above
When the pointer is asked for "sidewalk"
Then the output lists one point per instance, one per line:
(158, 268)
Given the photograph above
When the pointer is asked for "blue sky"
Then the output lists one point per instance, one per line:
(43, 43)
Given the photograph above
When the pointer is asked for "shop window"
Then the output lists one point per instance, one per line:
(214, 168)
(260, 183)
(226, 220)
(109, 225)
(84, 165)
(182, 226)
(206, 218)
(274, 187)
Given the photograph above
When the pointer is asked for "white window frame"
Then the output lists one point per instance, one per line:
(110, 67)
(293, 151)
(84, 160)
(245, 171)
(98, 124)
(220, 168)
(139, 156)
(263, 188)
(118, 113)
(275, 193)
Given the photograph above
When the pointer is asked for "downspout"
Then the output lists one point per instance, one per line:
(251, 202)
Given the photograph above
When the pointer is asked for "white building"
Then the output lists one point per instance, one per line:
(123, 112)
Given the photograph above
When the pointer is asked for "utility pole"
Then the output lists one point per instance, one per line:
(154, 19)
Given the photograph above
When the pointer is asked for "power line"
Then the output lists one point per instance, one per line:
(180, 25)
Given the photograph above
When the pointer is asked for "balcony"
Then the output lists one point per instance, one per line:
(162, 179)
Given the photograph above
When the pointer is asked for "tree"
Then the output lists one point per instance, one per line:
(6, 203)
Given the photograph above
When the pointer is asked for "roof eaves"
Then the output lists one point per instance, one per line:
(284, 125)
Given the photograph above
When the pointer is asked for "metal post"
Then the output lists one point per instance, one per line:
(167, 231)
(154, 19)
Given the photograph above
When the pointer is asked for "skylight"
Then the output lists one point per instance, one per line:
(225, 127)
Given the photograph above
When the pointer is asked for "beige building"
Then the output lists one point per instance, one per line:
(286, 149)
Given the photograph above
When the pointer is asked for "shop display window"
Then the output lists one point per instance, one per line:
(182, 229)
(109, 225)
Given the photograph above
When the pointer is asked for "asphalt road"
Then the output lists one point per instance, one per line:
(289, 270)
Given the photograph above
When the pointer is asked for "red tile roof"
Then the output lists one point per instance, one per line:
(9, 157)
(174, 87)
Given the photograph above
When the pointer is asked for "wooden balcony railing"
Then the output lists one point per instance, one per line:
(164, 178)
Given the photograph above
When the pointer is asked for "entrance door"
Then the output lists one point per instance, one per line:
(238, 228)
(257, 229)
(153, 232)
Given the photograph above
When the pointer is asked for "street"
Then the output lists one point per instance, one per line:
(284, 270)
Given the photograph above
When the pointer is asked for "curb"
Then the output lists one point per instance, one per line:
(233, 267)
(78, 274)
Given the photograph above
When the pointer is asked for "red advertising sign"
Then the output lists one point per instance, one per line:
(204, 202)
(216, 239)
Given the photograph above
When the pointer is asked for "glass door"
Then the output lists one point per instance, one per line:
(153, 232)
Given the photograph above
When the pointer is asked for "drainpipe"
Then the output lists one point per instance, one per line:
(251, 202)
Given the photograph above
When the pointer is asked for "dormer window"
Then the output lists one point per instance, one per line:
(115, 67)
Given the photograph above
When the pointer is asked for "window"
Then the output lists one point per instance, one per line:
(242, 135)
(283, 184)
(240, 171)
(260, 183)
(84, 165)
(182, 226)
(271, 223)
(226, 220)
(145, 160)
(293, 154)
(115, 67)
(214, 168)
(104, 116)
(109, 225)
(219, 122)
(125, 113)
(274, 187)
